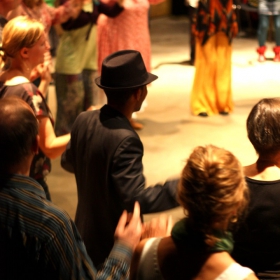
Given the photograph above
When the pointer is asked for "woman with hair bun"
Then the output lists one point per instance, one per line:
(213, 193)
(23, 46)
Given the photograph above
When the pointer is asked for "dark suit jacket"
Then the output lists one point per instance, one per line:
(105, 153)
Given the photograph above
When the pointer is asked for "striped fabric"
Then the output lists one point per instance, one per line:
(40, 241)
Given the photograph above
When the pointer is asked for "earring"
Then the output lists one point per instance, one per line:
(233, 219)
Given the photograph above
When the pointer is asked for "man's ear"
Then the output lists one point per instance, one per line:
(35, 146)
(24, 52)
(138, 94)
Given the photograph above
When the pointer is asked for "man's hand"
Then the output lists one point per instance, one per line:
(157, 227)
(129, 232)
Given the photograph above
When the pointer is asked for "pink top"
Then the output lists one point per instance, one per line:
(129, 30)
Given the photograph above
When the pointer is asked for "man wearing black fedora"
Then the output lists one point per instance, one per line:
(105, 153)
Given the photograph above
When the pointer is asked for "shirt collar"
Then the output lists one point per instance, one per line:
(22, 182)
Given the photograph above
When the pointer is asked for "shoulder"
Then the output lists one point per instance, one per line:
(24, 91)
(235, 271)
(58, 223)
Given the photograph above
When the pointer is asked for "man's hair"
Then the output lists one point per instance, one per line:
(263, 126)
(211, 188)
(119, 97)
(18, 131)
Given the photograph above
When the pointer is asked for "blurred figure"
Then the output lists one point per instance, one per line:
(257, 241)
(192, 9)
(76, 63)
(37, 239)
(266, 9)
(6, 7)
(215, 27)
(20, 56)
(48, 16)
(213, 193)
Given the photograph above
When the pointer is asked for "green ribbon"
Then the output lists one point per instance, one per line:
(183, 234)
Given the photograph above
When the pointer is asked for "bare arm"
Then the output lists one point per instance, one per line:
(252, 277)
(51, 145)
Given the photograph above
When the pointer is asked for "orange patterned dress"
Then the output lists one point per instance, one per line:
(215, 27)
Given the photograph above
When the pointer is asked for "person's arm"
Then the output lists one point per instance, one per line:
(67, 159)
(67, 253)
(85, 18)
(51, 145)
(127, 236)
(128, 179)
(111, 10)
(252, 276)
(62, 13)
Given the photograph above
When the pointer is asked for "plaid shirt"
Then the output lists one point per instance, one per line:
(40, 241)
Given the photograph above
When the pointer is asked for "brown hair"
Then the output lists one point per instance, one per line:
(212, 186)
(263, 125)
(18, 131)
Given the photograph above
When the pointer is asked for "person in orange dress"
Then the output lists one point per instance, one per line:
(215, 27)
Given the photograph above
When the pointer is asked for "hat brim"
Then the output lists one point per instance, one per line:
(151, 78)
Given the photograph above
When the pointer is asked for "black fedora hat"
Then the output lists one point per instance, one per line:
(124, 70)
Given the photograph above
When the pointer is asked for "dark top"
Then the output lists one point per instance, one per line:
(85, 17)
(215, 16)
(106, 155)
(40, 241)
(41, 165)
(257, 241)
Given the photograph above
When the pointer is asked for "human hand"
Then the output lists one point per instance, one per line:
(157, 227)
(129, 232)
(34, 74)
(44, 72)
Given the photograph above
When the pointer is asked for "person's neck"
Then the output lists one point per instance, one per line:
(266, 168)
(125, 110)
(13, 72)
(20, 169)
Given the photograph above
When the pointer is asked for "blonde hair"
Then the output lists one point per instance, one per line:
(20, 32)
(212, 186)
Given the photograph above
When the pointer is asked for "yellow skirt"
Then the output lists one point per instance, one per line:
(211, 92)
